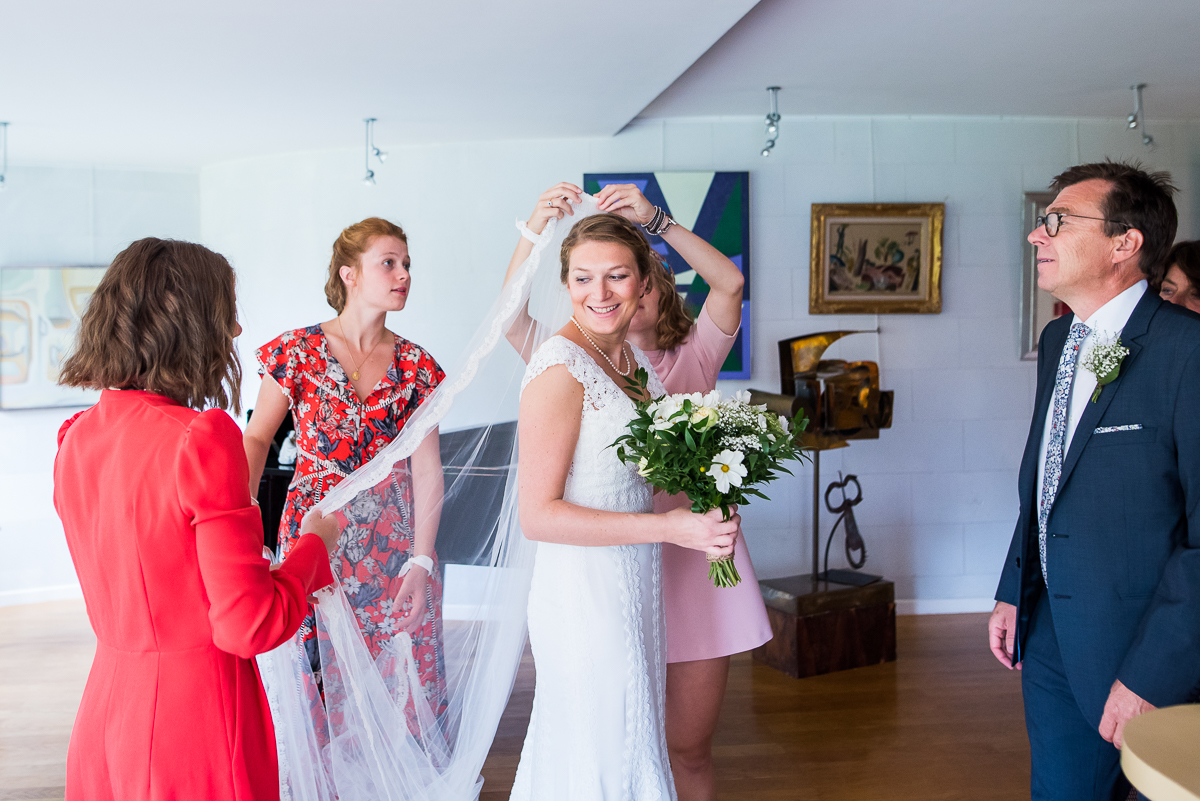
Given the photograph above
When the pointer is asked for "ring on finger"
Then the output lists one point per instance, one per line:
(549, 202)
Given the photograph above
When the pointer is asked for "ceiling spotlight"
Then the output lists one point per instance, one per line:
(772, 121)
(4, 146)
(1139, 115)
(369, 149)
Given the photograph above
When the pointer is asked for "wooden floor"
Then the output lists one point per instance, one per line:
(942, 722)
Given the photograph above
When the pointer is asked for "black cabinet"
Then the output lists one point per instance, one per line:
(273, 486)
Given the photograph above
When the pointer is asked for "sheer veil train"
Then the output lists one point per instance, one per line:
(379, 734)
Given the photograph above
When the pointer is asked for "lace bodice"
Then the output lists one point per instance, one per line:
(598, 479)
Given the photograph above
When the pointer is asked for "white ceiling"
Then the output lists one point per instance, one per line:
(164, 84)
(989, 57)
(180, 84)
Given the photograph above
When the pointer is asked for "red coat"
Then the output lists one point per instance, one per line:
(155, 501)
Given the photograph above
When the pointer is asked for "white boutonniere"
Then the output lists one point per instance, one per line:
(1104, 361)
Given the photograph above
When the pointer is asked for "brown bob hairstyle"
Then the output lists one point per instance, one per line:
(162, 319)
(351, 244)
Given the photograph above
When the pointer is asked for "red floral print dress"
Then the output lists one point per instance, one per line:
(336, 433)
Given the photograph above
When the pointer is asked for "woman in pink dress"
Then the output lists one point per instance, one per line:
(705, 624)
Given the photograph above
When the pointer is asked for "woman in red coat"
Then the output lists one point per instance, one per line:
(167, 541)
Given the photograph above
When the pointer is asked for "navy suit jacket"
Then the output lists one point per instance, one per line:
(1123, 536)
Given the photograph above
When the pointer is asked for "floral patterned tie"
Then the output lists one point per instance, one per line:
(1058, 430)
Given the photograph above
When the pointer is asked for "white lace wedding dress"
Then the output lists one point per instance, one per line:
(596, 623)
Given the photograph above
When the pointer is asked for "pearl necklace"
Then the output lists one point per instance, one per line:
(624, 358)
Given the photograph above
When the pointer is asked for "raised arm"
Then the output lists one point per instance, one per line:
(548, 431)
(724, 279)
(553, 204)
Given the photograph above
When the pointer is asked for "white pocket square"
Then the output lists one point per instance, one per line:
(1115, 429)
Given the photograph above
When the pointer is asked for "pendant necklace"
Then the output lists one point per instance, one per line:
(624, 358)
(350, 350)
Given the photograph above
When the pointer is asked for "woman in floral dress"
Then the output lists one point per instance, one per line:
(351, 385)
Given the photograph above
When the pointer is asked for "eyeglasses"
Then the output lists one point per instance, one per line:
(1053, 221)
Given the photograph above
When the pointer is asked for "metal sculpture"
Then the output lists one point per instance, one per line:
(843, 402)
(856, 548)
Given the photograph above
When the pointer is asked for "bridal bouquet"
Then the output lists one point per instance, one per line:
(716, 451)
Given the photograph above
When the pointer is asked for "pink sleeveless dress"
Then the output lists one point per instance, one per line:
(703, 621)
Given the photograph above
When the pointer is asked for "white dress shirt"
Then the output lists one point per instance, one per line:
(1103, 326)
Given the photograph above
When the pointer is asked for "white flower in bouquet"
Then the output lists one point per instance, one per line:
(704, 418)
(719, 452)
(727, 470)
(665, 410)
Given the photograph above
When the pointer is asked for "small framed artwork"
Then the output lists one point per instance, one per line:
(40, 310)
(716, 207)
(1038, 307)
(876, 258)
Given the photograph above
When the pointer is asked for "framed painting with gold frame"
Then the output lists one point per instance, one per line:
(1038, 307)
(876, 258)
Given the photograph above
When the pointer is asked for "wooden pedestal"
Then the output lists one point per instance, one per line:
(827, 627)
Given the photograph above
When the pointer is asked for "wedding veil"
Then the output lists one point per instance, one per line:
(379, 733)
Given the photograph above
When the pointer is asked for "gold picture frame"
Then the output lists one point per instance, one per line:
(876, 258)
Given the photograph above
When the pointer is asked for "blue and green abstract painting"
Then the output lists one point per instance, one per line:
(714, 205)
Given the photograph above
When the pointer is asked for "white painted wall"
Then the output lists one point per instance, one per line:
(75, 215)
(939, 487)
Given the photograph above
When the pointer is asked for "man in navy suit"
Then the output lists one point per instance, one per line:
(1099, 599)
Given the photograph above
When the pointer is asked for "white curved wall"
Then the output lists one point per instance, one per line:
(939, 487)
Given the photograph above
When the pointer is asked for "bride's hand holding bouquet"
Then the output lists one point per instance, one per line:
(714, 450)
(710, 532)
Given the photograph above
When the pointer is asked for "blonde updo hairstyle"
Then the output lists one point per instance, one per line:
(608, 228)
(674, 322)
(348, 250)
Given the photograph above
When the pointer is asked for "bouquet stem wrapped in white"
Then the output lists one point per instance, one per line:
(716, 451)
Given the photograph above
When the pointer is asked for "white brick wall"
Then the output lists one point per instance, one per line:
(61, 215)
(939, 487)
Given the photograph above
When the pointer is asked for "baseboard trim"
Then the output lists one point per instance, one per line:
(944, 606)
(468, 611)
(37, 595)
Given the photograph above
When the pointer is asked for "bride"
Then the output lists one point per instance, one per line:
(595, 605)
(574, 554)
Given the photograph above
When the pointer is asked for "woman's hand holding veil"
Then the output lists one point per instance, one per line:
(554, 204)
(627, 201)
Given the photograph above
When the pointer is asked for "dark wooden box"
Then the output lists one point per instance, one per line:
(827, 627)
